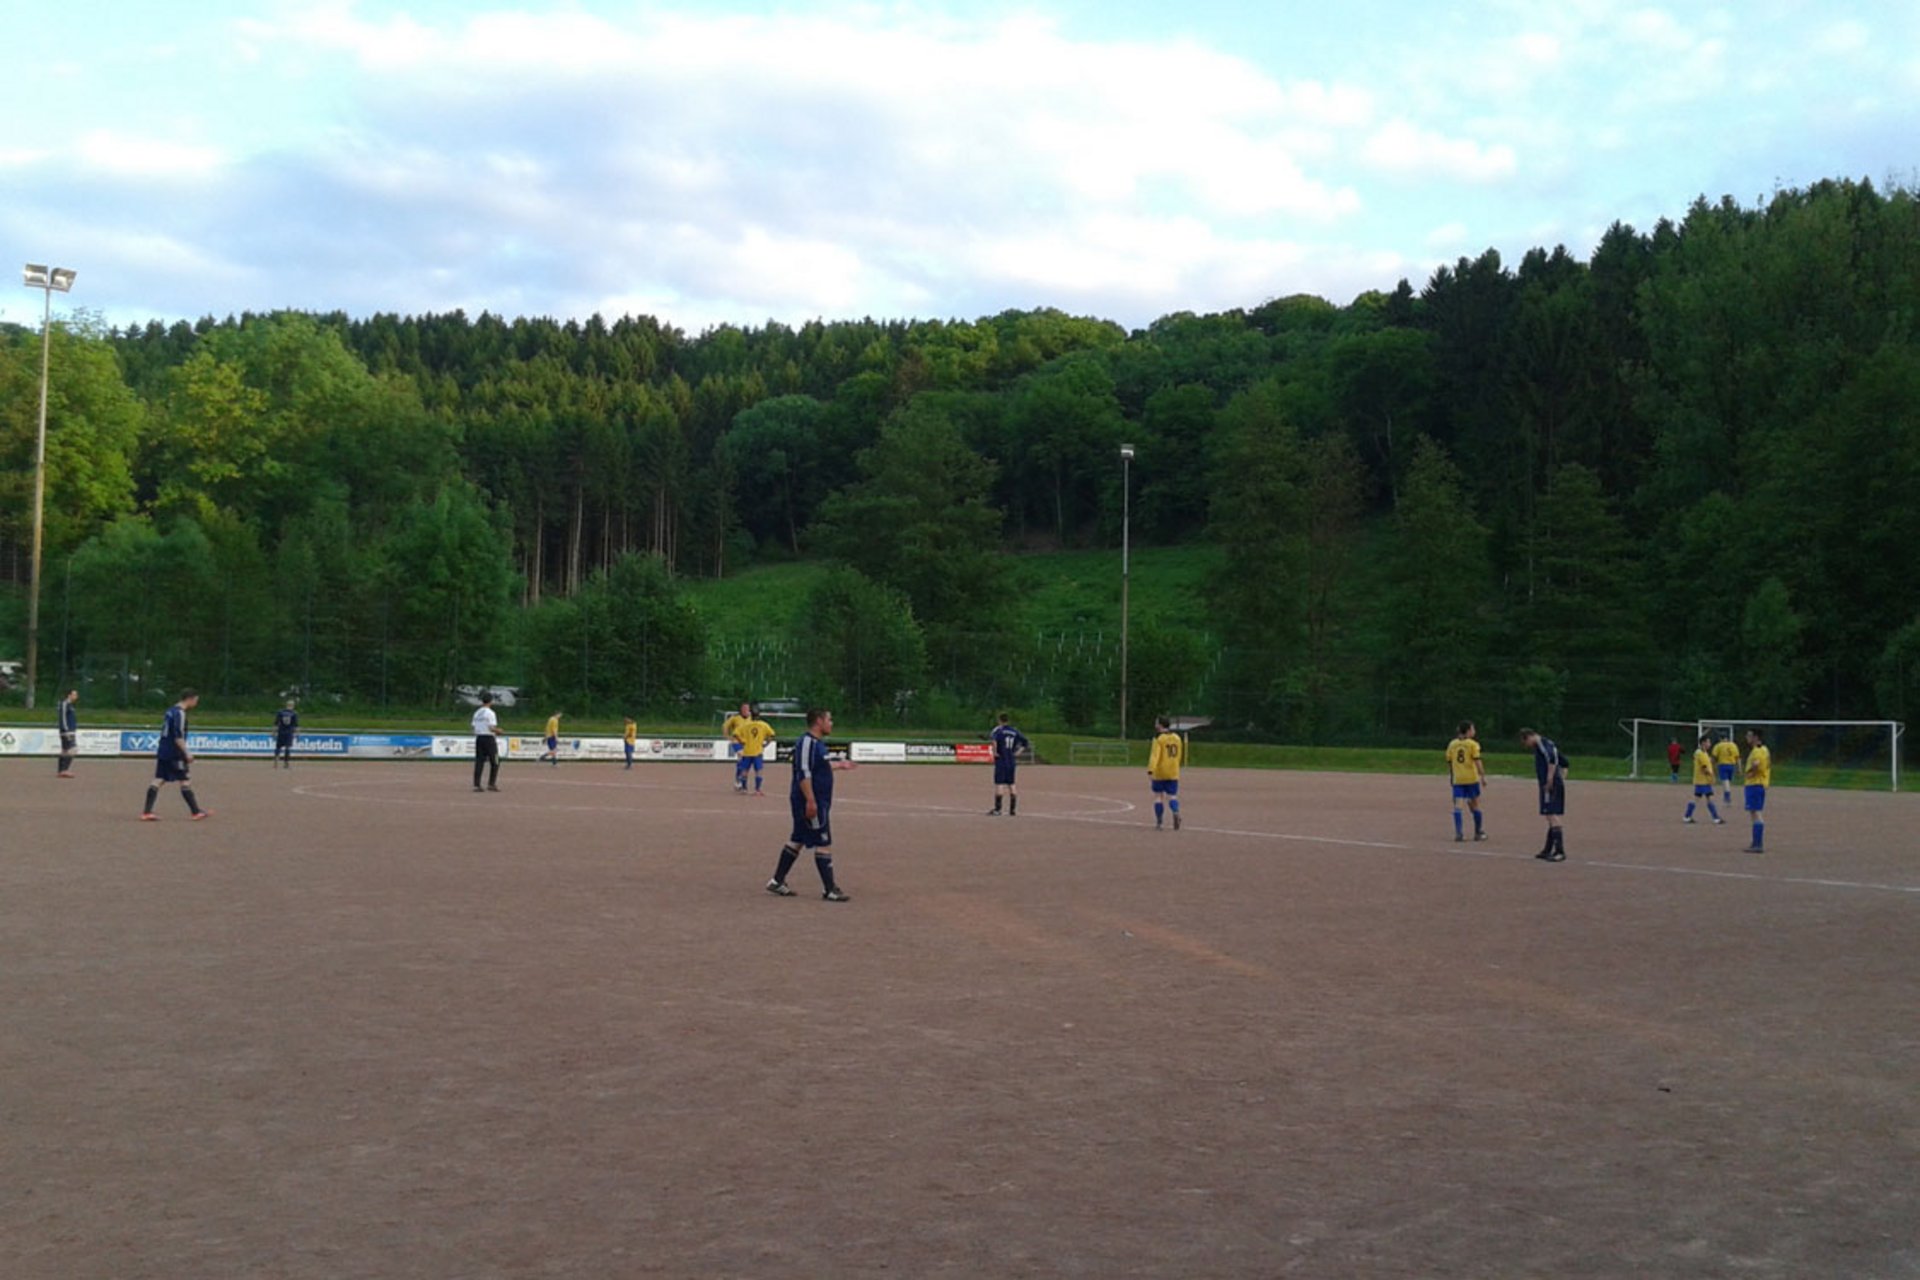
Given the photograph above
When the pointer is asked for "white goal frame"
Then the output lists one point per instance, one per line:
(1895, 730)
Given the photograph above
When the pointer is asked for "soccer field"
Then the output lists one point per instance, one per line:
(364, 1022)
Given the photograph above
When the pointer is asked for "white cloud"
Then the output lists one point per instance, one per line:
(1403, 148)
(112, 152)
(1844, 37)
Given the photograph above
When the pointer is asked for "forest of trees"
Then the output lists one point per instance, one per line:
(1681, 474)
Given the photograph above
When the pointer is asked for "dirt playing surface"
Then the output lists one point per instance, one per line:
(364, 1022)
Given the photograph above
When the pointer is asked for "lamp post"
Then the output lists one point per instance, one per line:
(47, 280)
(1126, 522)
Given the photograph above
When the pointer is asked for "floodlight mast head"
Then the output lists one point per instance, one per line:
(1126, 453)
(54, 279)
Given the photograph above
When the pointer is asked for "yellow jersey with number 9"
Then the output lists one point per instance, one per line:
(754, 735)
(1462, 754)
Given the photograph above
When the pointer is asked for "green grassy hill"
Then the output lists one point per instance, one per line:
(1051, 593)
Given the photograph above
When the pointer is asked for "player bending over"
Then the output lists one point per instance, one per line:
(1703, 781)
(1550, 767)
(172, 759)
(286, 723)
(1469, 775)
(811, 797)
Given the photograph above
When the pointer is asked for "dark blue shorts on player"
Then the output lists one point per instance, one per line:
(1726, 773)
(1756, 799)
(170, 769)
(1553, 799)
(1166, 786)
(1003, 773)
(1703, 788)
(810, 833)
(1466, 791)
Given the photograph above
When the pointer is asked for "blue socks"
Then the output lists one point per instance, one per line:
(1458, 827)
(1759, 830)
(1476, 822)
(1159, 812)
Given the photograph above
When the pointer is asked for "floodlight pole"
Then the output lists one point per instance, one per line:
(46, 279)
(1126, 521)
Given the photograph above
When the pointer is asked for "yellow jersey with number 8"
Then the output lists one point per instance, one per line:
(1462, 755)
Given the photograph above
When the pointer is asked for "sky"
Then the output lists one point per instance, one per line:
(742, 162)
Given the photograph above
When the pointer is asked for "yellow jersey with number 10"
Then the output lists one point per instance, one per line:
(1163, 763)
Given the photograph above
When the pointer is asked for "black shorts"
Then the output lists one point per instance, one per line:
(811, 833)
(1003, 773)
(67, 743)
(169, 769)
(1553, 799)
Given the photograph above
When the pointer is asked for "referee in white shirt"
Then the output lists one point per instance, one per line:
(486, 744)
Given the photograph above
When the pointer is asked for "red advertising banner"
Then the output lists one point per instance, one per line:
(973, 752)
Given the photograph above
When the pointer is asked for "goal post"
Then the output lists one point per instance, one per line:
(1833, 753)
(1648, 754)
(1825, 752)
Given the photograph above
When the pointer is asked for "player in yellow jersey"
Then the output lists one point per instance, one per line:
(1759, 773)
(1163, 768)
(1469, 775)
(629, 736)
(552, 754)
(730, 730)
(1703, 781)
(753, 734)
(1726, 763)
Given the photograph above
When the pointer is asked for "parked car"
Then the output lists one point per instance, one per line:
(504, 695)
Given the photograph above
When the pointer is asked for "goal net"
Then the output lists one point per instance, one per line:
(1815, 753)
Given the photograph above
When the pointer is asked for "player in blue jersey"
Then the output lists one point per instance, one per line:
(69, 731)
(1550, 767)
(172, 759)
(1008, 743)
(286, 723)
(811, 797)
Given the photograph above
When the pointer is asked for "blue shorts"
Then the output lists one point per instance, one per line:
(744, 763)
(1726, 773)
(1003, 773)
(1553, 799)
(733, 748)
(553, 744)
(1756, 798)
(1466, 791)
(1166, 786)
(1703, 788)
(169, 769)
(810, 833)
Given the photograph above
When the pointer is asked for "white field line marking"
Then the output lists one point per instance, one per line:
(886, 808)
